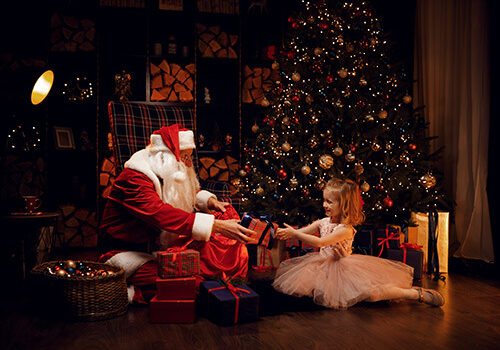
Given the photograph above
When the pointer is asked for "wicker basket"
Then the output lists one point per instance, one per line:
(83, 298)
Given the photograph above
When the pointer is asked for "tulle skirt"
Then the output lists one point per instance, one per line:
(341, 283)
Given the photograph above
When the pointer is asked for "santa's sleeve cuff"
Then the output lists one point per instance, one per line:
(202, 226)
(202, 198)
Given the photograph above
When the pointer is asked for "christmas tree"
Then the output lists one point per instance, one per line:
(339, 108)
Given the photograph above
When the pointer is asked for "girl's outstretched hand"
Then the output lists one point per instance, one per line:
(285, 233)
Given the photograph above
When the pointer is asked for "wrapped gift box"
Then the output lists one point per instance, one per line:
(176, 288)
(362, 243)
(411, 234)
(224, 307)
(172, 311)
(385, 238)
(413, 257)
(173, 264)
(263, 226)
(442, 231)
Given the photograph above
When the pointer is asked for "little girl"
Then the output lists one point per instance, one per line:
(333, 276)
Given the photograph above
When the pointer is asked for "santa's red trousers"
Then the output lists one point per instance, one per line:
(219, 254)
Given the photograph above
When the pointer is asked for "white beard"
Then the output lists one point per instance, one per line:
(180, 183)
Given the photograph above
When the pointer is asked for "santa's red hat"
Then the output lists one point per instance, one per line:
(175, 137)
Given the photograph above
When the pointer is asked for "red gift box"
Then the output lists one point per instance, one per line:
(172, 311)
(176, 288)
(178, 262)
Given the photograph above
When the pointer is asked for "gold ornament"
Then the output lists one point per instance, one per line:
(255, 128)
(264, 102)
(342, 73)
(242, 173)
(404, 157)
(375, 146)
(259, 191)
(320, 184)
(305, 170)
(293, 182)
(286, 146)
(369, 118)
(407, 99)
(326, 161)
(350, 156)
(363, 82)
(286, 121)
(318, 51)
(71, 263)
(296, 76)
(378, 206)
(314, 119)
(388, 145)
(365, 186)
(359, 169)
(313, 142)
(309, 99)
(275, 65)
(428, 181)
(382, 114)
(338, 151)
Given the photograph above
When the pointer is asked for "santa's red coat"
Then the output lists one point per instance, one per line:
(134, 215)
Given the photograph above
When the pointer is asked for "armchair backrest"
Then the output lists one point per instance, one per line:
(132, 124)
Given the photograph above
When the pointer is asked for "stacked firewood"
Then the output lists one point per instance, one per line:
(212, 42)
(223, 169)
(256, 82)
(107, 175)
(172, 83)
(76, 227)
(70, 34)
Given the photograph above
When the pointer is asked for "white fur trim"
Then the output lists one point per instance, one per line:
(139, 161)
(130, 293)
(157, 143)
(129, 261)
(202, 226)
(186, 140)
(202, 198)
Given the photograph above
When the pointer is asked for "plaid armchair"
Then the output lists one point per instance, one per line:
(132, 124)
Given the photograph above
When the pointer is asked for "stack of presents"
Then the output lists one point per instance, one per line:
(424, 246)
(177, 300)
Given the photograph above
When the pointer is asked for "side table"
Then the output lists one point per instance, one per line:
(26, 232)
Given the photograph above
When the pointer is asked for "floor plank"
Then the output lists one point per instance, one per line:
(470, 319)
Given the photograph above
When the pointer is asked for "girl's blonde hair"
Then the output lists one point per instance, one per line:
(348, 194)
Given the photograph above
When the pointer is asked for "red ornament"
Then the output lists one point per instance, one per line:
(282, 174)
(387, 202)
(290, 55)
(290, 19)
(329, 79)
(295, 98)
(295, 25)
(247, 168)
(323, 25)
(412, 146)
(353, 148)
(271, 122)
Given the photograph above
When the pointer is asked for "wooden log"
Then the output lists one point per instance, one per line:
(266, 72)
(208, 52)
(103, 179)
(222, 53)
(207, 162)
(185, 96)
(223, 176)
(213, 171)
(79, 36)
(157, 82)
(178, 87)
(233, 38)
(165, 91)
(154, 69)
(164, 66)
(173, 97)
(191, 68)
(157, 96)
(246, 98)
(71, 21)
(168, 80)
(183, 75)
(81, 214)
(223, 39)
(257, 82)
(175, 68)
(257, 72)
(214, 29)
(189, 84)
(247, 71)
(221, 164)
(232, 53)
(203, 174)
(214, 46)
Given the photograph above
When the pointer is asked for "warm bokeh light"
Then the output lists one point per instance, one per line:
(42, 87)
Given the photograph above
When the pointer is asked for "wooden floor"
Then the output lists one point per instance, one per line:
(470, 319)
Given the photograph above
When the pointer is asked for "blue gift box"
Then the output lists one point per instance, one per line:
(414, 258)
(219, 305)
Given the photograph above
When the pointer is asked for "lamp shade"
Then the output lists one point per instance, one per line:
(42, 87)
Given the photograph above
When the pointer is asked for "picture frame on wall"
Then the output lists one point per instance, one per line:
(64, 139)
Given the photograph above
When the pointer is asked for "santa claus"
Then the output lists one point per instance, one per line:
(157, 198)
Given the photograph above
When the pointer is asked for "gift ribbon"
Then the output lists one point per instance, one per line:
(405, 246)
(176, 253)
(433, 257)
(234, 291)
(393, 235)
(262, 267)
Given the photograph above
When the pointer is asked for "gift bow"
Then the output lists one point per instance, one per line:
(234, 291)
(393, 235)
(405, 246)
(176, 252)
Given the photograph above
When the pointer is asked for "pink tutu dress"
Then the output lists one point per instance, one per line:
(336, 278)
